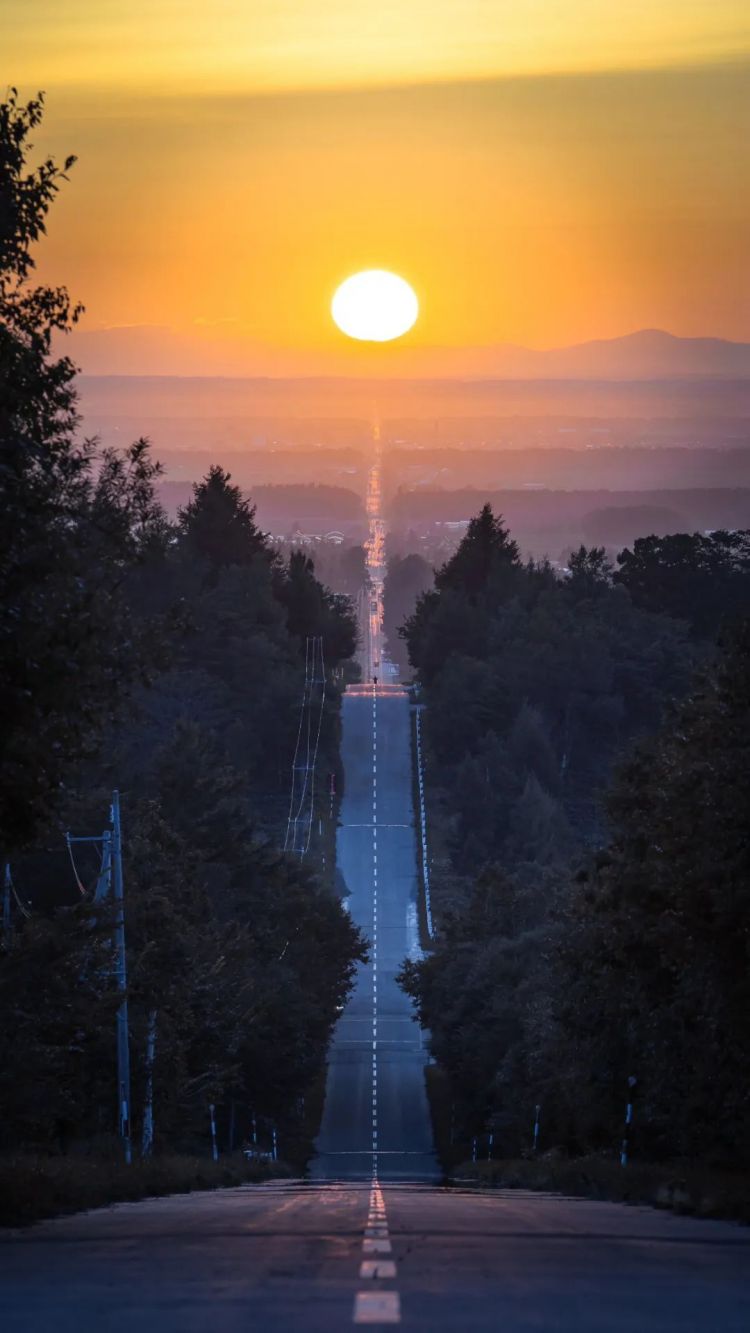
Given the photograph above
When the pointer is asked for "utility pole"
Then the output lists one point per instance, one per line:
(6, 906)
(537, 1110)
(624, 1147)
(123, 1044)
(109, 883)
(147, 1138)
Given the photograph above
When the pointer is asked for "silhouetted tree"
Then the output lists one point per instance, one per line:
(218, 524)
(590, 572)
(701, 578)
(75, 523)
(486, 550)
(314, 610)
(655, 940)
(407, 577)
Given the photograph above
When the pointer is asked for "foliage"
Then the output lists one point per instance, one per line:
(553, 988)
(35, 1186)
(701, 578)
(533, 684)
(75, 522)
(407, 577)
(218, 524)
(314, 610)
(655, 943)
(238, 956)
(58, 1002)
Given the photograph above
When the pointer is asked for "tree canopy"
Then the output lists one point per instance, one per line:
(239, 956)
(589, 812)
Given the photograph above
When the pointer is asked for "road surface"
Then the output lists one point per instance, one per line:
(376, 1118)
(296, 1258)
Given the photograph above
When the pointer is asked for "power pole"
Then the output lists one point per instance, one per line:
(147, 1138)
(110, 882)
(6, 906)
(123, 1043)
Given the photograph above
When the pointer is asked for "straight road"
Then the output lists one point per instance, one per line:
(376, 1119)
(302, 1258)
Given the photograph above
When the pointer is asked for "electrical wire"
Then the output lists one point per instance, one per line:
(296, 748)
(317, 742)
(77, 877)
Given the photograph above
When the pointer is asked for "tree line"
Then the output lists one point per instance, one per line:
(166, 660)
(588, 764)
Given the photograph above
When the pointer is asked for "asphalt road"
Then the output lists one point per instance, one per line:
(376, 1116)
(297, 1258)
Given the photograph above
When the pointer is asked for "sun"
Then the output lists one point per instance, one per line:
(375, 306)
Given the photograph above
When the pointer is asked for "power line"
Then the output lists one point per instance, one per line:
(296, 747)
(302, 802)
(316, 749)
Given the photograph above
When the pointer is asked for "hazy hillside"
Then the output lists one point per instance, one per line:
(644, 354)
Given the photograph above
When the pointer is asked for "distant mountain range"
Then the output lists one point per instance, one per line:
(649, 354)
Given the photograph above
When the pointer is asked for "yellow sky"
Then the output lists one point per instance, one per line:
(247, 45)
(237, 161)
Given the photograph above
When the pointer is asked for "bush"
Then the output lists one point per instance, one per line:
(33, 1187)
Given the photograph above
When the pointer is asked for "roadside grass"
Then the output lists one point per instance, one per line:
(34, 1186)
(682, 1187)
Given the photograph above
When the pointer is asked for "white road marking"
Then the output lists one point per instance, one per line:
(377, 1307)
(375, 1268)
(370, 1246)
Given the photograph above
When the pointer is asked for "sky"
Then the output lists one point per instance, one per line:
(542, 172)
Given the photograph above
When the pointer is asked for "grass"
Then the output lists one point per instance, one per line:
(33, 1186)
(682, 1187)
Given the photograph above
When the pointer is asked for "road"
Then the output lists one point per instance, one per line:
(297, 1258)
(376, 1118)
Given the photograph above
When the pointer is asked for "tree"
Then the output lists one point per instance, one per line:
(701, 578)
(407, 577)
(531, 750)
(590, 572)
(218, 524)
(473, 991)
(75, 522)
(313, 610)
(238, 957)
(486, 551)
(656, 943)
(58, 999)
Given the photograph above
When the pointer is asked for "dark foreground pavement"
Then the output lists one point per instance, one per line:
(296, 1258)
(376, 1115)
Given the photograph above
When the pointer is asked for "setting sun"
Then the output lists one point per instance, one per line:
(375, 306)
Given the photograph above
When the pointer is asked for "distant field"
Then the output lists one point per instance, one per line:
(579, 466)
(545, 522)
(315, 509)
(245, 413)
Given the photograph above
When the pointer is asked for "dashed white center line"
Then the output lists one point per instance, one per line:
(376, 1307)
(379, 1246)
(375, 1268)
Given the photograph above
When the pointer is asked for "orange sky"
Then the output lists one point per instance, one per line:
(529, 191)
